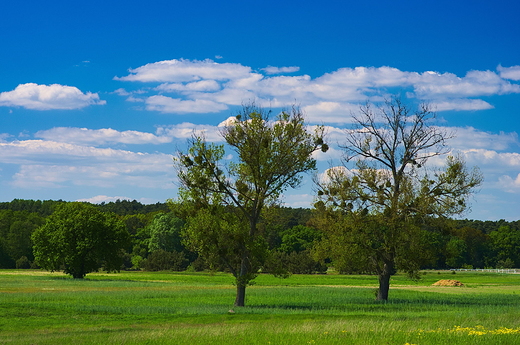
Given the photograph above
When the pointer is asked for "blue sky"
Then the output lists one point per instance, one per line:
(96, 96)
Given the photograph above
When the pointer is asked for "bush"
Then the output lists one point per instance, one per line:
(23, 262)
(161, 260)
(282, 264)
(198, 265)
(507, 263)
(137, 261)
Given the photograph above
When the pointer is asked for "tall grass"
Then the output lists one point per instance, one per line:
(194, 308)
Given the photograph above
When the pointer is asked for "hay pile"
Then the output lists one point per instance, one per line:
(448, 282)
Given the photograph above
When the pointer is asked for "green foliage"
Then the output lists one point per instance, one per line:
(165, 233)
(127, 207)
(222, 237)
(506, 244)
(80, 239)
(455, 249)
(162, 260)
(16, 228)
(42, 208)
(23, 262)
(283, 264)
(223, 202)
(298, 238)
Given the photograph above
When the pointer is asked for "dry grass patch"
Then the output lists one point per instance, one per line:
(448, 282)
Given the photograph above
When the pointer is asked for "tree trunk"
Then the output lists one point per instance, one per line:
(241, 295)
(384, 282)
(242, 281)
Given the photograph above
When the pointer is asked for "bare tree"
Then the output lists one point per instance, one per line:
(382, 200)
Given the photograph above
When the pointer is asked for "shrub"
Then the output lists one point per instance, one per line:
(281, 264)
(23, 262)
(507, 263)
(161, 260)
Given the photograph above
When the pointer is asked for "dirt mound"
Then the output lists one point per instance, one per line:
(448, 282)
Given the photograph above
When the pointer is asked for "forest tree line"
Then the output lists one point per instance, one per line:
(157, 243)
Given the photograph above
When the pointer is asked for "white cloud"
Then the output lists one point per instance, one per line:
(48, 164)
(336, 171)
(492, 160)
(122, 92)
(332, 154)
(48, 97)
(229, 96)
(107, 175)
(41, 150)
(280, 70)
(511, 73)
(297, 200)
(203, 85)
(330, 112)
(474, 84)
(231, 84)
(469, 137)
(186, 70)
(100, 136)
(165, 104)
(98, 199)
(186, 130)
(460, 105)
(508, 184)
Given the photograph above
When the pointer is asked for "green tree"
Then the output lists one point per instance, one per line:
(477, 246)
(165, 233)
(19, 239)
(506, 244)
(79, 238)
(16, 228)
(455, 252)
(227, 198)
(382, 202)
(298, 238)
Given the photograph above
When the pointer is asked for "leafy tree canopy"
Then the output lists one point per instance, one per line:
(227, 198)
(80, 239)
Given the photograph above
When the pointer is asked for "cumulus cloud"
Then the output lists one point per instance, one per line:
(78, 137)
(511, 73)
(461, 104)
(492, 160)
(469, 137)
(108, 175)
(473, 84)
(280, 70)
(330, 112)
(50, 164)
(509, 184)
(48, 97)
(165, 104)
(329, 97)
(100, 136)
(25, 151)
(186, 70)
(203, 85)
(186, 130)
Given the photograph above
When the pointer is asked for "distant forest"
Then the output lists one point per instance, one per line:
(157, 242)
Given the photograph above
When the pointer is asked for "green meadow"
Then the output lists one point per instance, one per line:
(38, 307)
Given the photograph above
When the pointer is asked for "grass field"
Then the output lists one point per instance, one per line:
(38, 307)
